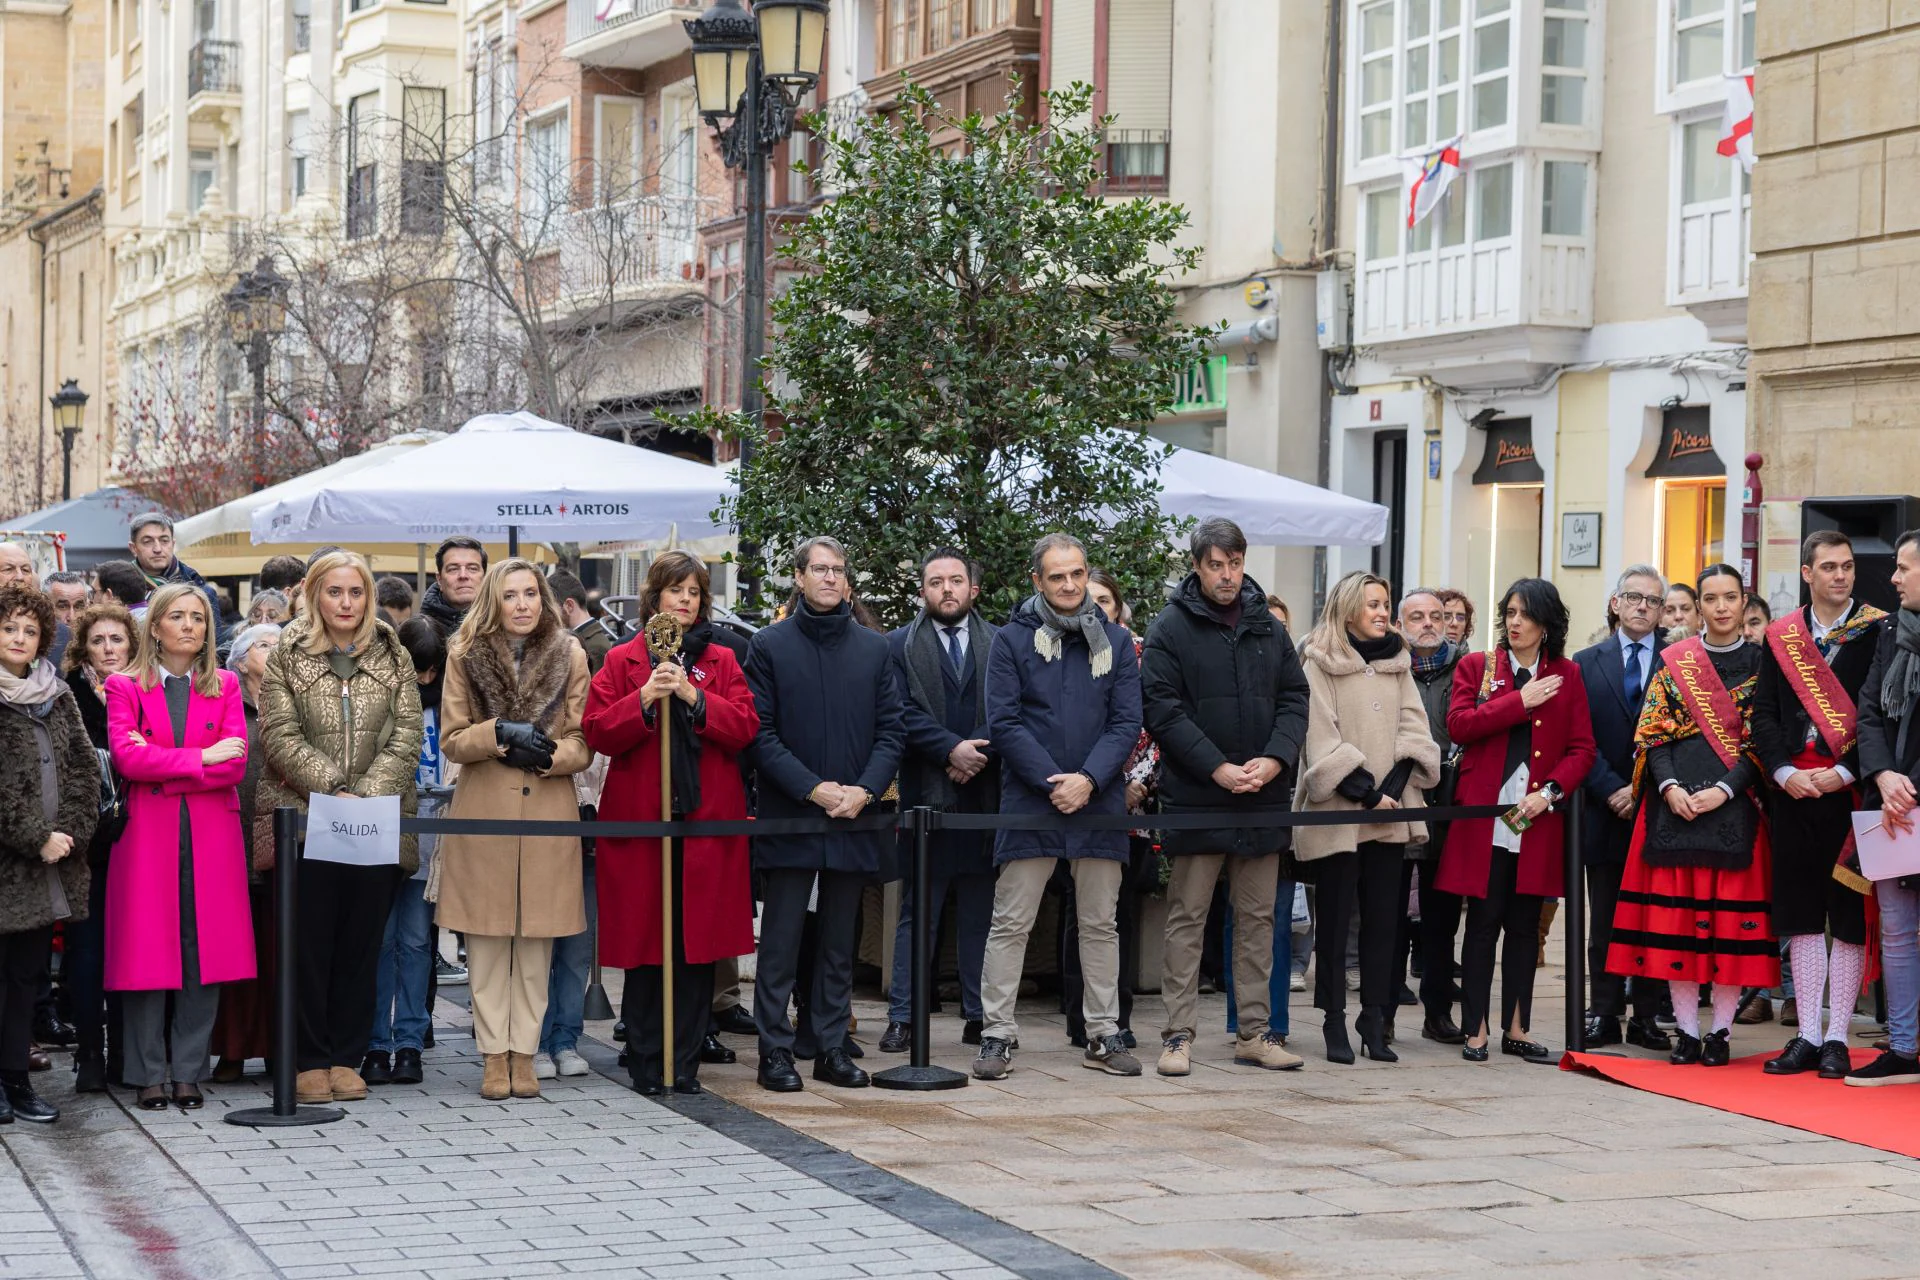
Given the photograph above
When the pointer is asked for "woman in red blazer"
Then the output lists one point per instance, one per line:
(713, 721)
(1520, 713)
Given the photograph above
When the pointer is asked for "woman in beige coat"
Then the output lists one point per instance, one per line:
(510, 717)
(1367, 742)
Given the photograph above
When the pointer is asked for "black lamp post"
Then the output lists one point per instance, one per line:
(750, 71)
(69, 411)
(256, 315)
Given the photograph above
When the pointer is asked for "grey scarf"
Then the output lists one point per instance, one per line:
(1089, 621)
(1901, 688)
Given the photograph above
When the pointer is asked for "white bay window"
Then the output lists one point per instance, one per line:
(1701, 43)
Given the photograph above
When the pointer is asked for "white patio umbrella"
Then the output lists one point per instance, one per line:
(508, 475)
(237, 516)
(1271, 509)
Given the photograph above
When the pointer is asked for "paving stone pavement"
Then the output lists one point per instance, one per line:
(1431, 1167)
(432, 1181)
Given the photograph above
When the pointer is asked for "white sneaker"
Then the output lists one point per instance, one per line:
(543, 1066)
(1298, 982)
(568, 1062)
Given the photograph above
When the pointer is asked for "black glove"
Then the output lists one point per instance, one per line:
(530, 760)
(518, 733)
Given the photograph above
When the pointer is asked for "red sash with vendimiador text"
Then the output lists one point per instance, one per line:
(1834, 716)
(1705, 696)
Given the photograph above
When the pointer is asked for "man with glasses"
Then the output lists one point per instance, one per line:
(1617, 671)
(831, 736)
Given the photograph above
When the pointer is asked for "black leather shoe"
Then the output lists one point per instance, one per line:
(711, 1050)
(853, 1049)
(620, 1032)
(30, 1106)
(187, 1097)
(1645, 1033)
(970, 1034)
(1443, 1031)
(406, 1067)
(688, 1087)
(1405, 997)
(1835, 1061)
(777, 1073)
(1339, 1048)
(1686, 1050)
(653, 1088)
(1715, 1051)
(836, 1068)
(1800, 1055)
(1602, 1031)
(897, 1038)
(6, 1110)
(377, 1067)
(1531, 1050)
(89, 1072)
(735, 1022)
(54, 1034)
(1473, 1053)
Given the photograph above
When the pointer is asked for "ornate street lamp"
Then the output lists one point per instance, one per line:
(256, 315)
(69, 413)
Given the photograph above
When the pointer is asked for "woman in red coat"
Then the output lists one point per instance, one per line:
(713, 721)
(1520, 712)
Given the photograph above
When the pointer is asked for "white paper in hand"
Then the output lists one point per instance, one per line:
(359, 832)
(1886, 854)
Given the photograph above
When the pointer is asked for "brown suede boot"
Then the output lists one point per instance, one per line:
(520, 1069)
(493, 1081)
(346, 1084)
(313, 1088)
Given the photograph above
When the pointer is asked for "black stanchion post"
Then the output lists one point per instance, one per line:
(1576, 921)
(920, 1073)
(286, 897)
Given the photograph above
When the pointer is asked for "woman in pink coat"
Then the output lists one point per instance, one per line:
(177, 919)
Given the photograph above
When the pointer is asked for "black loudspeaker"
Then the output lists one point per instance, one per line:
(1874, 525)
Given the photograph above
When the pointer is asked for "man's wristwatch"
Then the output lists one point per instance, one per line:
(1091, 782)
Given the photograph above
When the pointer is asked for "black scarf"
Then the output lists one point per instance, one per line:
(1372, 650)
(685, 745)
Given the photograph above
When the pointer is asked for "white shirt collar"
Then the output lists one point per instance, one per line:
(1819, 630)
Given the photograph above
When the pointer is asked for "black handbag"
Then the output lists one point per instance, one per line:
(112, 820)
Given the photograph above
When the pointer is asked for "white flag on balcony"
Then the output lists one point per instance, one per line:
(1429, 177)
(1737, 136)
(608, 10)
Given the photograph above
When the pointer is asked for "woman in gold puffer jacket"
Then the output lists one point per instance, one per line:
(339, 714)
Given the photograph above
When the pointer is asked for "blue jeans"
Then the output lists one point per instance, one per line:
(1900, 963)
(406, 961)
(973, 911)
(567, 979)
(1279, 990)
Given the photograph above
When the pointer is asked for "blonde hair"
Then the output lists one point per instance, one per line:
(486, 618)
(1344, 603)
(146, 668)
(316, 640)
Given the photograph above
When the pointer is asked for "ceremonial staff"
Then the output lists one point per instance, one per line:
(664, 634)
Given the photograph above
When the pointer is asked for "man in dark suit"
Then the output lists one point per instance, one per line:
(940, 660)
(1616, 672)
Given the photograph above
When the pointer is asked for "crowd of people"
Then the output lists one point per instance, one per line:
(149, 734)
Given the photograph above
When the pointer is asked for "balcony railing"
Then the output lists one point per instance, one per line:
(591, 17)
(213, 66)
(1136, 162)
(633, 245)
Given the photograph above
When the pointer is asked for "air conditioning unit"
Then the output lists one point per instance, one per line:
(1333, 308)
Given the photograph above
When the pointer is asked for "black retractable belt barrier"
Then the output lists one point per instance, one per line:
(920, 1073)
(1576, 921)
(285, 1110)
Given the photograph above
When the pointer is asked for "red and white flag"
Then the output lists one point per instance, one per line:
(1737, 136)
(1429, 177)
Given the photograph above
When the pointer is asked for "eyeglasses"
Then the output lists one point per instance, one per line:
(1634, 600)
(828, 571)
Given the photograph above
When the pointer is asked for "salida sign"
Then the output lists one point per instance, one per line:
(516, 512)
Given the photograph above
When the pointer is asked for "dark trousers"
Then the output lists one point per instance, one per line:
(1609, 989)
(972, 914)
(1370, 877)
(83, 972)
(23, 963)
(1439, 927)
(343, 921)
(783, 921)
(641, 1006)
(1518, 915)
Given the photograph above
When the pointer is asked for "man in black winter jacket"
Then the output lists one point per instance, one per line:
(459, 567)
(1225, 697)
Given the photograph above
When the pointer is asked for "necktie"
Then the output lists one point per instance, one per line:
(1634, 686)
(953, 650)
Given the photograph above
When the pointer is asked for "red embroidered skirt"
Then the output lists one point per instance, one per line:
(1695, 924)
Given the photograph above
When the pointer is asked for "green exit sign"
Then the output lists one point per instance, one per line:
(1201, 387)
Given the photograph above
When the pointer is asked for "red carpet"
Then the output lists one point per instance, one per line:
(1887, 1118)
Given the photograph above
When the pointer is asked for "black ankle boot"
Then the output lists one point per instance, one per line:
(1339, 1049)
(1372, 1028)
(89, 1071)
